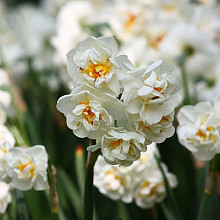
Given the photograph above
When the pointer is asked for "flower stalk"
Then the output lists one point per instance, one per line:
(181, 61)
(53, 192)
(210, 182)
(88, 190)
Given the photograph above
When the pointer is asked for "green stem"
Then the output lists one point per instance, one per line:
(181, 61)
(88, 195)
(52, 173)
(203, 206)
(88, 190)
(169, 191)
(210, 181)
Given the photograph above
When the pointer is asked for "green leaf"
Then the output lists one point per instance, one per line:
(167, 212)
(122, 211)
(170, 193)
(80, 167)
(71, 192)
(21, 206)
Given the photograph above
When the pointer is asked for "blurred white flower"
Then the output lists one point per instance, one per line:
(69, 27)
(95, 60)
(33, 28)
(198, 130)
(151, 189)
(4, 148)
(7, 142)
(5, 196)
(89, 110)
(122, 147)
(208, 81)
(5, 134)
(206, 18)
(28, 167)
(150, 93)
(3, 116)
(142, 181)
(112, 182)
(5, 98)
(201, 51)
(4, 80)
(129, 20)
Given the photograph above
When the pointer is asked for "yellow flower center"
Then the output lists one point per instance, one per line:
(153, 190)
(115, 144)
(3, 150)
(130, 21)
(22, 168)
(203, 135)
(112, 172)
(169, 8)
(97, 70)
(88, 114)
(155, 41)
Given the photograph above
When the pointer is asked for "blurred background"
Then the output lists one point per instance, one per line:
(34, 39)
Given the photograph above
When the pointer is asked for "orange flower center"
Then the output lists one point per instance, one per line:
(97, 70)
(115, 144)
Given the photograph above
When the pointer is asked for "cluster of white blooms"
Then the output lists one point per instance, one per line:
(142, 181)
(150, 30)
(25, 33)
(121, 127)
(199, 129)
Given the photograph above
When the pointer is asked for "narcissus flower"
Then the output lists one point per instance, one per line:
(5, 196)
(142, 181)
(122, 147)
(7, 141)
(151, 189)
(4, 148)
(157, 132)
(27, 167)
(95, 61)
(150, 93)
(89, 110)
(112, 182)
(198, 130)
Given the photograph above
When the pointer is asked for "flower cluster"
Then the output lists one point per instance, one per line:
(121, 126)
(142, 181)
(199, 129)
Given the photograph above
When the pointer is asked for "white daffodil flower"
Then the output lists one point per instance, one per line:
(4, 80)
(5, 98)
(122, 147)
(142, 181)
(73, 14)
(89, 110)
(28, 167)
(112, 182)
(95, 61)
(4, 148)
(5, 196)
(150, 93)
(157, 132)
(201, 51)
(6, 135)
(198, 130)
(151, 189)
